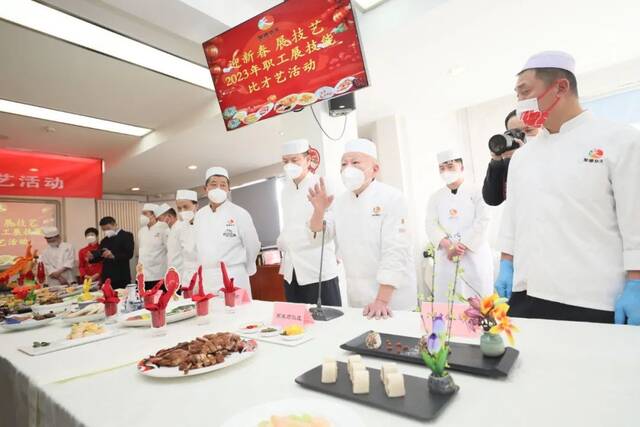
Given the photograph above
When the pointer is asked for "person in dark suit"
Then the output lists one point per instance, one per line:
(115, 252)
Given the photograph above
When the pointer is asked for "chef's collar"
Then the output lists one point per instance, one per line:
(569, 125)
(306, 178)
(366, 190)
(219, 208)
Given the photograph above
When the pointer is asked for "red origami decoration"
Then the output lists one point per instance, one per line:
(201, 299)
(229, 289)
(110, 299)
(187, 291)
(158, 309)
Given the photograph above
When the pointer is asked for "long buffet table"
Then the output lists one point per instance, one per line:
(567, 374)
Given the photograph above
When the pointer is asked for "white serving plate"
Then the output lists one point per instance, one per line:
(98, 317)
(27, 324)
(60, 307)
(337, 414)
(147, 323)
(65, 343)
(164, 372)
(278, 339)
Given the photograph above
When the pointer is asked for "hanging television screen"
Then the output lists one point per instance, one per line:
(287, 58)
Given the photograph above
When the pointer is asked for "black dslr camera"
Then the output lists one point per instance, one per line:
(501, 143)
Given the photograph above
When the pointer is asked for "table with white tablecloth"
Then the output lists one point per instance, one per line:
(567, 374)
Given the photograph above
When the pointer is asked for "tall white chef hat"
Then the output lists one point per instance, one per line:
(216, 170)
(297, 146)
(187, 195)
(50, 232)
(161, 209)
(361, 145)
(151, 207)
(448, 155)
(551, 59)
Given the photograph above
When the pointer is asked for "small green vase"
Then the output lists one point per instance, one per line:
(491, 345)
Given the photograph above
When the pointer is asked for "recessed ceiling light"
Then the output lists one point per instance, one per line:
(33, 169)
(69, 118)
(135, 188)
(192, 167)
(60, 25)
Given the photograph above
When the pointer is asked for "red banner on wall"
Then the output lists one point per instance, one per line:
(291, 56)
(24, 173)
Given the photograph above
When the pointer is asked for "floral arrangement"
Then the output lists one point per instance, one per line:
(490, 314)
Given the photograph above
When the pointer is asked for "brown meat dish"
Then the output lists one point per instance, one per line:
(200, 353)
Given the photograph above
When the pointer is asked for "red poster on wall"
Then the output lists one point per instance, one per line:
(24, 173)
(291, 56)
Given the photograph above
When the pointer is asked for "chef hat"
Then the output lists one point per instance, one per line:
(216, 170)
(50, 232)
(187, 195)
(159, 210)
(297, 146)
(448, 155)
(361, 145)
(151, 207)
(551, 59)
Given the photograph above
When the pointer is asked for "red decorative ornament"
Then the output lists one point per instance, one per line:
(314, 159)
(216, 70)
(212, 51)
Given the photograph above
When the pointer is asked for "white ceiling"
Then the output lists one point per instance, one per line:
(430, 56)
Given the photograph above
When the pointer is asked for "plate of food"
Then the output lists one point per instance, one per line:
(297, 413)
(49, 306)
(270, 331)
(251, 118)
(251, 328)
(79, 334)
(265, 109)
(293, 333)
(91, 313)
(286, 104)
(205, 354)
(307, 98)
(344, 85)
(142, 318)
(22, 322)
(325, 92)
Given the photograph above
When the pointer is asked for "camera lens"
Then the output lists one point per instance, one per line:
(498, 144)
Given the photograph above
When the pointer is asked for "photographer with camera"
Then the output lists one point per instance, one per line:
(502, 146)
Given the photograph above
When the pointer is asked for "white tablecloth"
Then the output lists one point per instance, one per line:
(567, 374)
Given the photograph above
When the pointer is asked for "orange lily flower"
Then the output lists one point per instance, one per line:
(507, 327)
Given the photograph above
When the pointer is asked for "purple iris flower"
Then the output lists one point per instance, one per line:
(438, 324)
(433, 344)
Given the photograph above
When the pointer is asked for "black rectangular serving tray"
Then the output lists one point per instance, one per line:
(418, 401)
(463, 357)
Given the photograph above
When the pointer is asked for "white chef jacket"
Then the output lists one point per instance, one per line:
(55, 259)
(572, 221)
(298, 251)
(226, 235)
(152, 252)
(371, 237)
(181, 250)
(462, 217)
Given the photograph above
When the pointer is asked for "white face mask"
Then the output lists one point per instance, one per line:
(110, 233)
(217, 195)
(91, 238)
(352, 178)
(292, 170)
(449, 177)
(144, 220)
(187, 215)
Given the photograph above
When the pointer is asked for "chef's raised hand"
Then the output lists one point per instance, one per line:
(628, 304)
(378, 309)
(504, 283)
(319, 198)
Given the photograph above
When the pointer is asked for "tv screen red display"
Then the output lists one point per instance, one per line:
(289, 57)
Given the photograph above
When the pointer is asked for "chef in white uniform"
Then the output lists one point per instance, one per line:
(152, 241)
(187, 205)
(301, 257)
(58, 258)
(571, 227)
(175, 242)
(369, 225)
(457, 221)
(225, 232)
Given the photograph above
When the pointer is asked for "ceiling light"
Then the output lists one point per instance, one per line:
(192, 167)
(247, 184)
(135, 188)
(70, 118)
(60, 25)
(33, 169)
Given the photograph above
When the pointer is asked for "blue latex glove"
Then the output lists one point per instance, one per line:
(628, 304)
(504, 283)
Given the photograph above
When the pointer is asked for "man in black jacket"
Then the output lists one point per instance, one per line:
(116, 250)
(494, 189)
